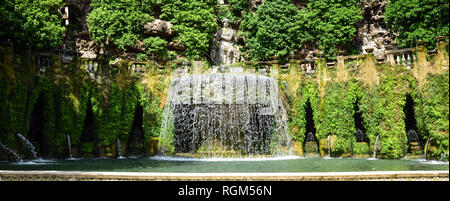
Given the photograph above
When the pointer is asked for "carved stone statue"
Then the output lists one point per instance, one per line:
(224, 51)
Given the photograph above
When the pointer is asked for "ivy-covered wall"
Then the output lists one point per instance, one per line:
(433, 115)
(64, 90)
(380, 97)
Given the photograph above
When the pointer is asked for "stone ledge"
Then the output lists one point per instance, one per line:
(6, 175)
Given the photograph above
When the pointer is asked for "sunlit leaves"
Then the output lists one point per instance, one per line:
(415, 20)
(119, 22)
(194, 22)
(37, 23)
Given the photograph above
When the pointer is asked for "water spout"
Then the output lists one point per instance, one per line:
(375, 147)
(329, 146)
(69, 145)
(28, 145)
(10, 151)
(426, 148)
(119, 149)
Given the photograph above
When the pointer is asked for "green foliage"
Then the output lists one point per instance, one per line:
(17, 96)
(152, 112)
(433, 113)
(226, 12)
(237, 6)
(142, 57)
(382, 110)
(338, 115)
(195, 24)
(307, 91)
(361, 148)
(119, 22)
(278, 27)
(415, 20)
(155, 45)
(35, 22)
(274, 30)
(113, 115)
(332, 23)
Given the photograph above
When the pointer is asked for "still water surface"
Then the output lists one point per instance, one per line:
(221, 165)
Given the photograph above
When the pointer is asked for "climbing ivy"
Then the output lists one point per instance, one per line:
(382, 110)
(307, 91)
(113, 114)
(433, 115)
(17, 96)
(338, 113)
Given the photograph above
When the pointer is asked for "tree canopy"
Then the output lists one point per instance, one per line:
(119, 22)
(277, 27)
(332, 23)
(195, 24)
(273, 30)
(415, 20)
(37, 23)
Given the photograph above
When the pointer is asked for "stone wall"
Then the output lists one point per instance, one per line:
(66, 86)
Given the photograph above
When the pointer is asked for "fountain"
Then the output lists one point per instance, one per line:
(69, 145)
(426, 148)
(375, 147)
(413, 140)
(28, 145)
(224, 114)
(329, 146)
(119, 149)
(10, 151)
(360, 136)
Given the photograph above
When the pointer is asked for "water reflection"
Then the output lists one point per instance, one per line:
(191, 165)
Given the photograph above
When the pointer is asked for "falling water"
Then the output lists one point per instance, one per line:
(10, 151)
(28, 145)
(426, 148)
(375, 148)
(224, 114)
(119, 149)
(329, 146)
(69, 145)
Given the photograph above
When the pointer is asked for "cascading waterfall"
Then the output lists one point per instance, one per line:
(224, 114)
(28, 145)
(10, 151)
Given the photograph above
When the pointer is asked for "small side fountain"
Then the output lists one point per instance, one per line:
(10, 151)
(119, 149)
(69, 145)
(28, 145)
(413, 139)
(329, 146)
(375, 147)
(426, 148)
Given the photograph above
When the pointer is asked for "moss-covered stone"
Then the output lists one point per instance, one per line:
(297, 148)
